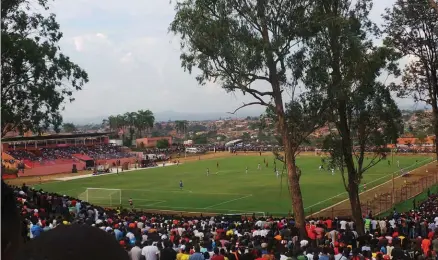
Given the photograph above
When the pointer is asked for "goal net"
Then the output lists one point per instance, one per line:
(103, 197)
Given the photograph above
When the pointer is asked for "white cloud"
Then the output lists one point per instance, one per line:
(132, 61)
(126, 58)
(79, 43)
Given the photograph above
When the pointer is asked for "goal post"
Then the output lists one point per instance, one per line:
(101, 196)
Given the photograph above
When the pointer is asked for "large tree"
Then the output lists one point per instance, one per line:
(238, 43)
(181, 126)
(144, 121)
(69, 127)
(412, 28)
(344, 64)
(36, 78)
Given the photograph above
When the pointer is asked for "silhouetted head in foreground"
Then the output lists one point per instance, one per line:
(11, 225)
(73, 242)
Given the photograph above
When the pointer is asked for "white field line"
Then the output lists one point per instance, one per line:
(127, 199)
(114, 171)
(65, 191)
(179, 191)
(375, 187)
(155, 203)
(228, 201)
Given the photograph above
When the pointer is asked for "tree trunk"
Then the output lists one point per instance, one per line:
(289, 150)
(435, 127)
(293, 177)
(353, 176)
(353, 195)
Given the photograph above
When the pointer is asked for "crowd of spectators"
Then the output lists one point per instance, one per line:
(408, 235)
(97, 152)
(22, 155)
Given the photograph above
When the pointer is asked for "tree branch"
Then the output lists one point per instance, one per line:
(246, 105)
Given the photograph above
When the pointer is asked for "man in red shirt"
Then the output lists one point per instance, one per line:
(216, 255)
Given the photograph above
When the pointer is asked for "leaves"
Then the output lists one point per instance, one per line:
(36, 77)
(69, 127)
(139, 121)
(412, 29)
(181, 126)
(224, 40)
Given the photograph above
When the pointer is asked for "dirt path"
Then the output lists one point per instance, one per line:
(379, 199)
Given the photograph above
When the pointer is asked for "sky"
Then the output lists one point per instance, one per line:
(133, 62)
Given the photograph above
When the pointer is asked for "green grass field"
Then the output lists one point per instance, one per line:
(227, 189)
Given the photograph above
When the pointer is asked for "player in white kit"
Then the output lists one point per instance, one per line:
(277, 173)
(246, 170)
(208, 171)
(259, 167)
(333, 171)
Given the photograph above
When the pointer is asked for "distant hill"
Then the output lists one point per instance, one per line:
(170, 115)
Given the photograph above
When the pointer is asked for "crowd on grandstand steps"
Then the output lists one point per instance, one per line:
(22, 155)
(409, 235)
(49, 154)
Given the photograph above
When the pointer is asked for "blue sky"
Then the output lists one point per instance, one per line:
(133, 63)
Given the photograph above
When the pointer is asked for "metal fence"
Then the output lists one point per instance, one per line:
(384, 200)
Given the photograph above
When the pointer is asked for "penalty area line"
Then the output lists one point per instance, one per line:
(228, 201)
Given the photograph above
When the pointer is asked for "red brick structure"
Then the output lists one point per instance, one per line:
(150, 142)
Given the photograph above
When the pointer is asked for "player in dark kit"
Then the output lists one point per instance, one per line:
(180, 185)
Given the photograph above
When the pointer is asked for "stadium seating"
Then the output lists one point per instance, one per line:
(47, 156)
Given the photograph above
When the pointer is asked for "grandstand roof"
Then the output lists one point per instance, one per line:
(51, 137)
(233, 142)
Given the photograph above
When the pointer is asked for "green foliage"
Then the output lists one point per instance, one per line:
(162, 144)
(156, 134)
(127, 142)
(36, 78)
(412, 29)
(343, 65)
(246, 137)
(239, 43)
(197, 128)
(304, 114)
(346, 71)
(69, 127)
(134, 122)
(181, 126)
(226, 40)
(200, 139)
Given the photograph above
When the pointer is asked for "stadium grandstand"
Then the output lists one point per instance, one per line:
(51, 154)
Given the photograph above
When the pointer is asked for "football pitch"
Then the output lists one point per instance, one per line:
(228, 189)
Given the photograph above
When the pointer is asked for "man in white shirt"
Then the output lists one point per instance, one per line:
(392, 223)
(150, 252)
(135, 253)
(373, 225)
(343, 224)
(382, 225)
